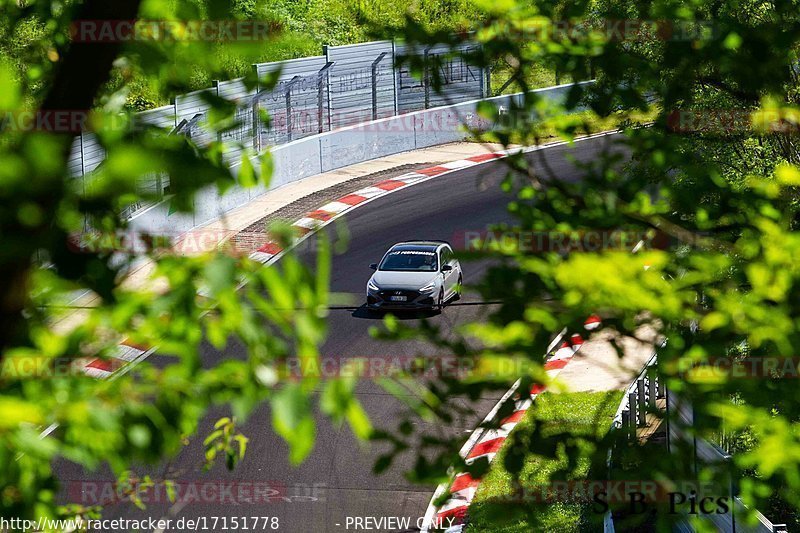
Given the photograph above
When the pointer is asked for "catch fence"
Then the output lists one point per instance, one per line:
(345, 85)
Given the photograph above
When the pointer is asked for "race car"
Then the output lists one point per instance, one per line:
(415, 275)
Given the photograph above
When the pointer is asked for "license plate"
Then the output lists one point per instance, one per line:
(398, 298)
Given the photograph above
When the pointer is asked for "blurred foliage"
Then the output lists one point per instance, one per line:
(50, 410)
(715, 171)
(726, 196)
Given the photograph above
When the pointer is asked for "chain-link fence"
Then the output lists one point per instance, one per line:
(344, 86)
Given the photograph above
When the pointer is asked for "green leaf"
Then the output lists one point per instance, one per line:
(293, 420)
(10, 87)
(242, 440)
(247, 174)
(15, 411)
(220, 273)
(358, 420)
(267, 167)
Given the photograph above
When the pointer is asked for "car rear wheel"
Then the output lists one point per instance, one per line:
(459, 288)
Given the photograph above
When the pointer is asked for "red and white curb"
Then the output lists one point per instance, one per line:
(451, 516)
(126, 353)
(318, 218)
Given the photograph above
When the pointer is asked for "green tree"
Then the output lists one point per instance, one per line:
(147, 414)
(728, 203)
(714, 171)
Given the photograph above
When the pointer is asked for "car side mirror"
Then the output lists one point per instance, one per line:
(374, 266)
(447, 268)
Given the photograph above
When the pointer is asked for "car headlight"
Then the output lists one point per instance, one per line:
(371, 286)
(427, 289)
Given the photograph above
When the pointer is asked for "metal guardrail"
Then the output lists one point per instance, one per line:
(639, 399)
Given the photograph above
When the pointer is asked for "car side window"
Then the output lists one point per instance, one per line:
(446, 256)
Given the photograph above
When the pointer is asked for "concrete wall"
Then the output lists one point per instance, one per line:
(336, 149)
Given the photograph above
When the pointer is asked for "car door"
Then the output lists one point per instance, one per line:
(450, 277)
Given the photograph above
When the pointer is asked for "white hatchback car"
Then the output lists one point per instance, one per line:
(415, 275)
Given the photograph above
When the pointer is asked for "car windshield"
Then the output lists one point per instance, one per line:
(410, 260)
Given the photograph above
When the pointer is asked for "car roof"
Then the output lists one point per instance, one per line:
(421, 245)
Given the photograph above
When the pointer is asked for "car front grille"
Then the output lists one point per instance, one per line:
(388, 293)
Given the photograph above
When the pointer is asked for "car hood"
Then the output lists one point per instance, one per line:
(402, 280)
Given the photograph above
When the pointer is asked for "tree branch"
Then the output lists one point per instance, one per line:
(84, 69)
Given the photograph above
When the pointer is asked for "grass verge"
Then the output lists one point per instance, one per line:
(558, 440)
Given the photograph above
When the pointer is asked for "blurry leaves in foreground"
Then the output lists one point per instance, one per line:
(726, 196)
(715, 170)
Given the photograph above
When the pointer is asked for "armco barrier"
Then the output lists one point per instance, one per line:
(336, 149)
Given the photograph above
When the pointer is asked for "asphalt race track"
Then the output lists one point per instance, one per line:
(336, 481)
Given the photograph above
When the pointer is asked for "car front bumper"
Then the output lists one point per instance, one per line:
(383, 299)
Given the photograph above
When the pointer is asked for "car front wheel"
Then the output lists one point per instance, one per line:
(440, 305)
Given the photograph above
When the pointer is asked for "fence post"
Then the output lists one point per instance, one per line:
(395, 76)
(426, 81)
(321, 76)
(626, 423)
(483, 83)
(632, 409)
(328, 102)
(642, 405)
(289, 110)
(320, 105)
(256, 124)
(651, 386)
(215, 92)
(289, 87)
(375, 85)
(256, 133)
